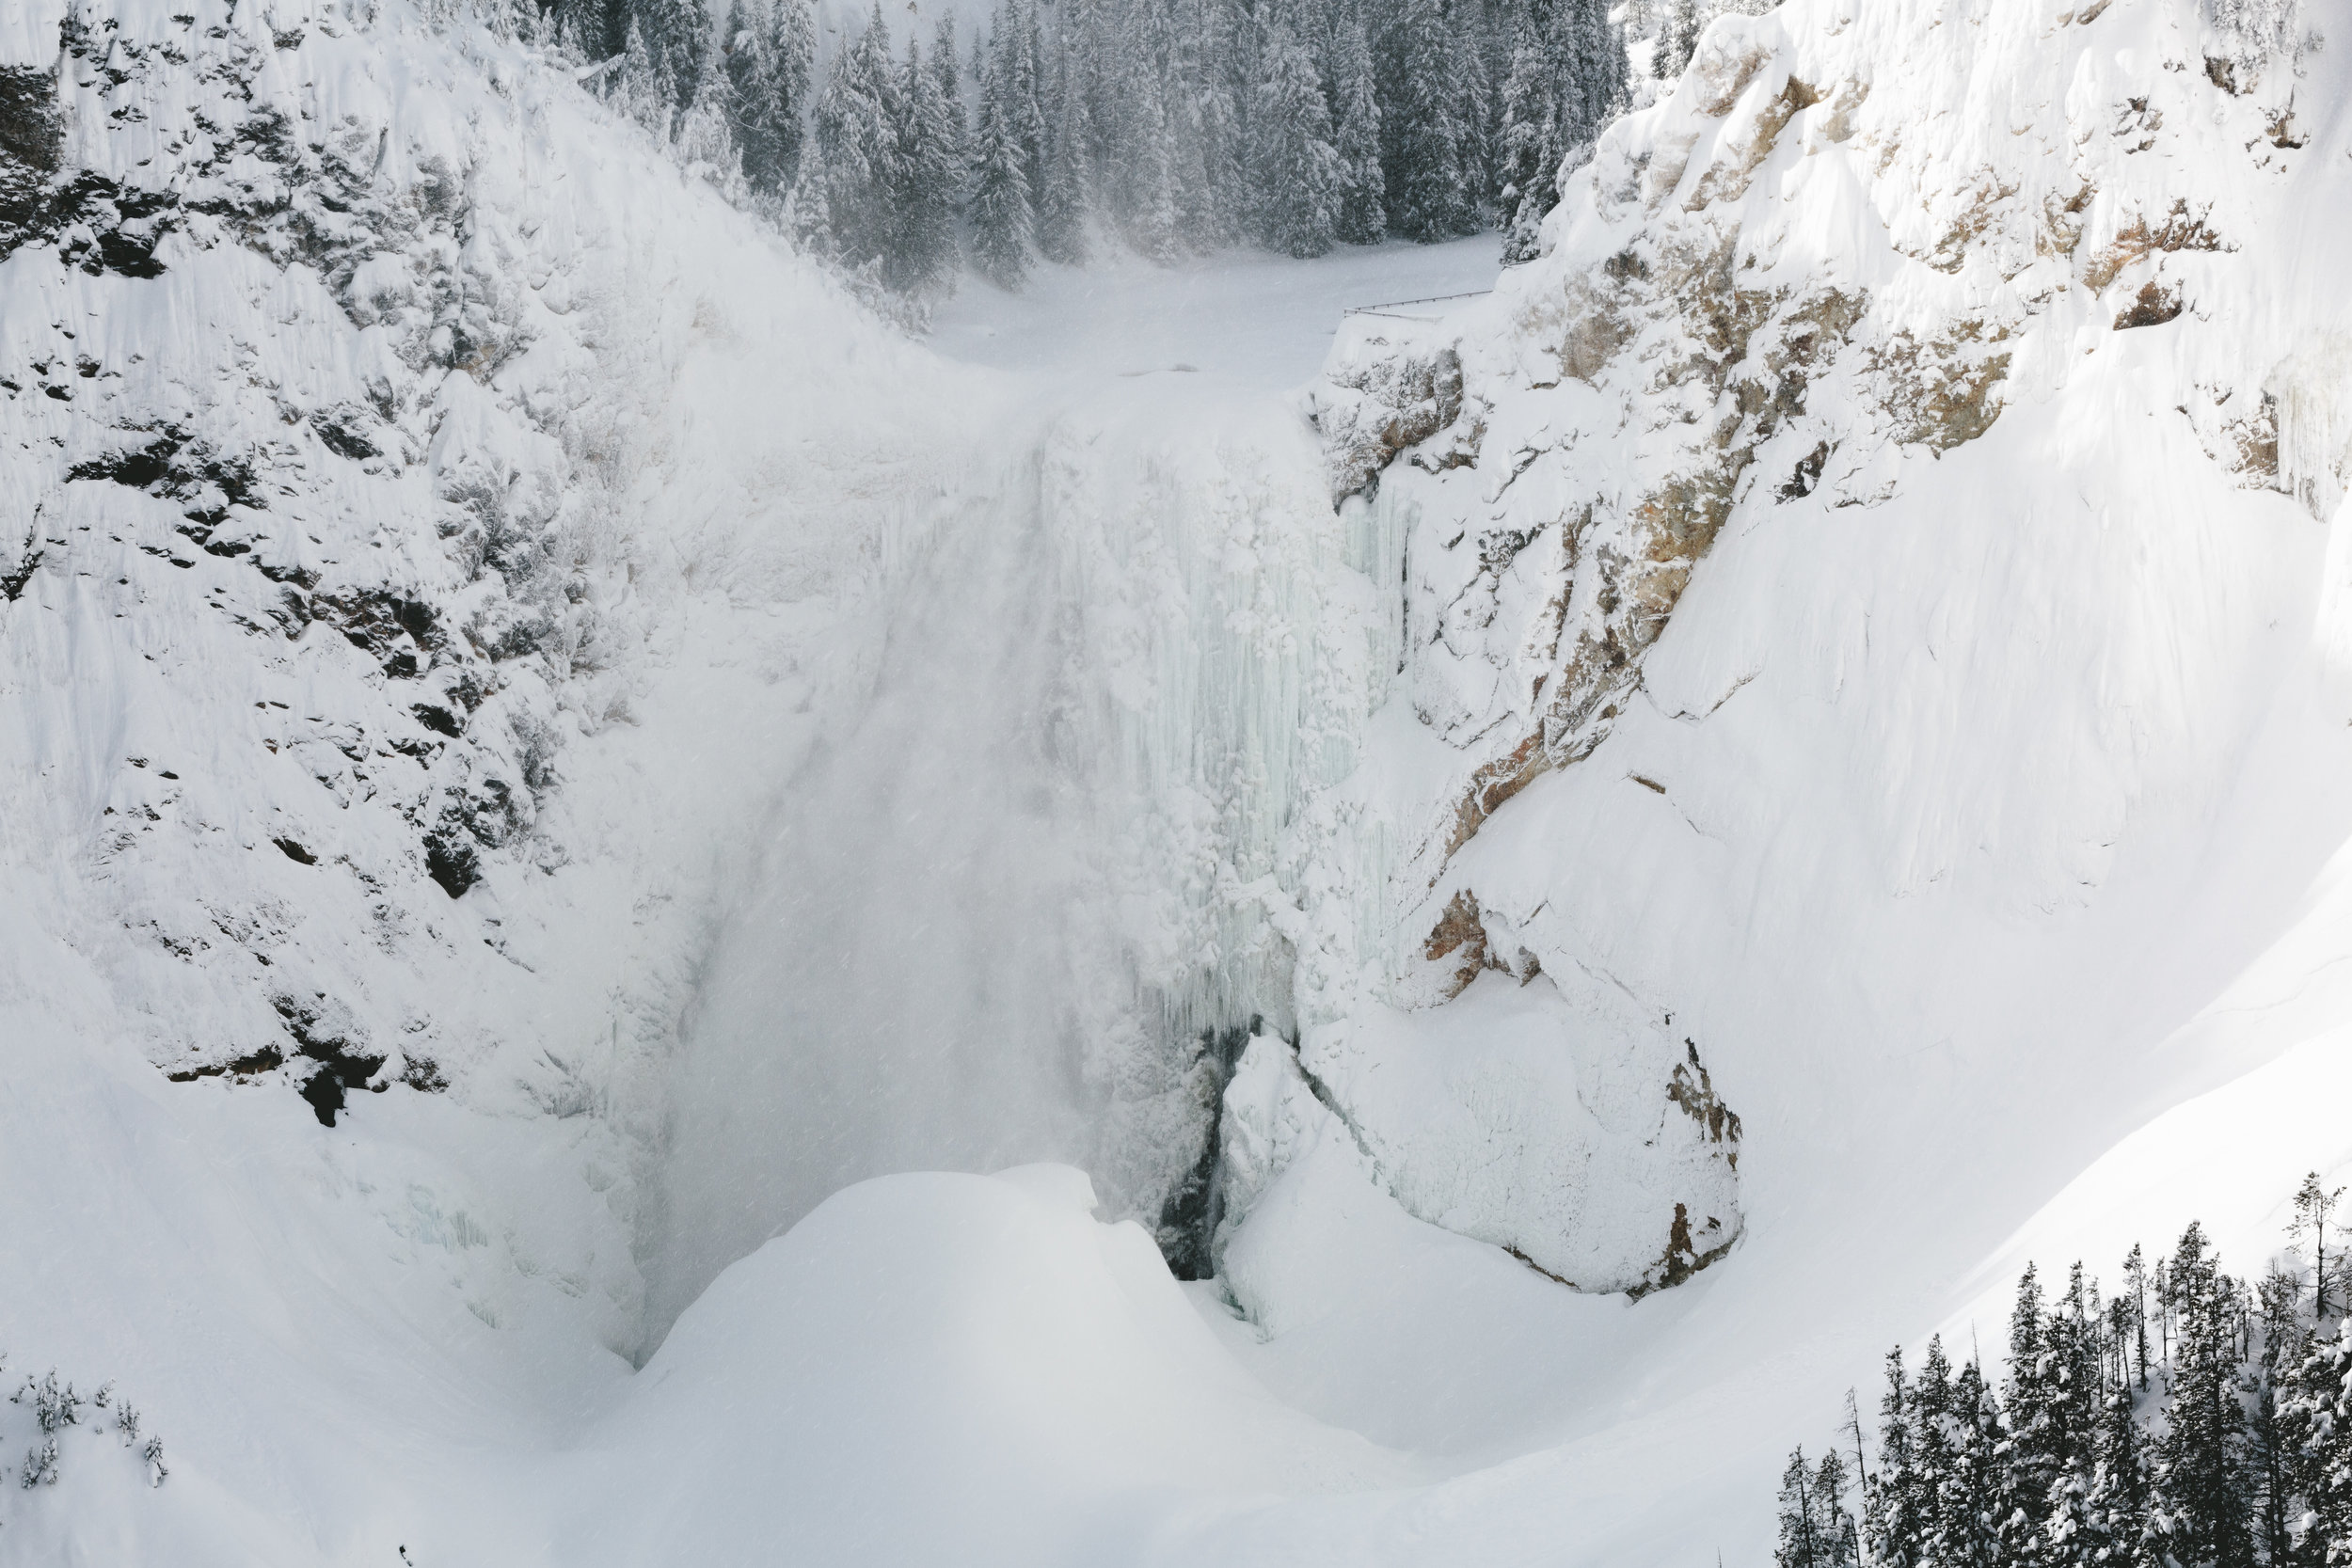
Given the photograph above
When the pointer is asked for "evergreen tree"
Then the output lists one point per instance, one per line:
(1013, 72)
(2035, 1462)
(806, 217)
(2110, 1527)
(2201, 1508)
(2135, 1280)
(1473, 97)
(1895, 1517)
(743, 50)
(1147, 165)
(706, 137)
(1837, 1542)
(1970, 1518)
(639, 91)
(1529, 150)
(1004, 221)
(1938, 1456)
(923, 256)
(1224, 62)
(1362, 213)
(1677, 38)
(857, 136)
(2315, 1419)
(1802, 1541)
(1064, 213)
(947, 81)
(2053, 1454)
(768, 52)
(1294, 169)
(2280, 1348)
(1174, 42)
(2314, 1206)
(1593, 72)
(1421, 127)
(584, 29)
(678, 42)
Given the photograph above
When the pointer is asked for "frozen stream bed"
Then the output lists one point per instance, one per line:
(1255, 321)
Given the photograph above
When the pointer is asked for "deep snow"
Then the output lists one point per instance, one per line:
(975, 725)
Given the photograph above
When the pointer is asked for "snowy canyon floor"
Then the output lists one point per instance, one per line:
(903, 752)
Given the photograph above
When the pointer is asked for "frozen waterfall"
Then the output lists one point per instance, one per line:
(1016, 906)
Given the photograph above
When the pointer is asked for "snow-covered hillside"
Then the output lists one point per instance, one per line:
(1646, 836)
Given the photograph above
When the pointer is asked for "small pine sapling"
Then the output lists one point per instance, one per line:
(41, 1465)
(153, 1454)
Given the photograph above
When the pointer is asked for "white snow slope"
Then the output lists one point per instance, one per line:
(540, 749)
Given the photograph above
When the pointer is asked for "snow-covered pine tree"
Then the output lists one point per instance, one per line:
(1799, 1543)
(1593, 72)
(923, 256)
(2034, 1464)
(769, 53)
(2314, 1206)
(1971, 1516)
(1420, 129)
(706, 133)
(1004, 220)
(2280, 1340)
(1937, 1456)
(1176, 43)
(856, 138)
(1678, 38)
(1294, 170)
(1085, 33)
(583, 28)
(1065, 213)
(2315, 1418)
(744, 52)
(677, 39)
(1530, 136)
(1837, 1545)
(2136, 1282)
(1362, 215)
(1475, 90)
(1145, 165)
(1014, 61)
(638, 90)
(1226, 55)
(1895, 1516)
(2106, 1525)
(805, 216)
(2052, 1422)
(2202, 1510)
(948, 80)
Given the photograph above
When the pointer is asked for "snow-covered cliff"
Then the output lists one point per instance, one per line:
(539, 742)
(1944, 296)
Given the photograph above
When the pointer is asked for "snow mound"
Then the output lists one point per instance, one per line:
(936, 1367)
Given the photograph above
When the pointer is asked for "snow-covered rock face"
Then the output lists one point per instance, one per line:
(420, 581)
(1839, 251)
(254, 346)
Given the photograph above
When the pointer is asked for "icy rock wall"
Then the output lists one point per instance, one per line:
(417, 579)
(1837, 254)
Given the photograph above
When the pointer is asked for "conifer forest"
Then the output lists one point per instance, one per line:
(2190, 1419)
(1172, 127)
